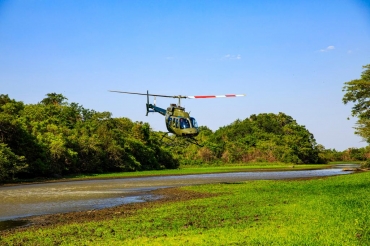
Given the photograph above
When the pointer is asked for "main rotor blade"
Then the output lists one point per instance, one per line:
(216, 96)
(144, 94)
(179, 96)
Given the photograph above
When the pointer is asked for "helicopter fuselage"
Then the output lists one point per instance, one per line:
(177, 120)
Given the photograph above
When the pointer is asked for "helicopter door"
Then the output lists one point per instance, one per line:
(173, 122)
(169, 123)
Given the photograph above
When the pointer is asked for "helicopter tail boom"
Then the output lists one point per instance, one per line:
(155, 109)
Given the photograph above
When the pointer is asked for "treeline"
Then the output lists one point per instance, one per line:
(54, 138)
(350, 154)
(260, 138)
(264, 137)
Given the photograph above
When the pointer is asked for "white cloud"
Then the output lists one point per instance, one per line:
(330, 47)
(232, 57)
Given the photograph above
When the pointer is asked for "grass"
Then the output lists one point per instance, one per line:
(325, 211)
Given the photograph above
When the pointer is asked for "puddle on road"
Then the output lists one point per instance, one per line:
(47, 198)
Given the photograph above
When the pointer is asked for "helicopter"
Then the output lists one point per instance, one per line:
(177, 120)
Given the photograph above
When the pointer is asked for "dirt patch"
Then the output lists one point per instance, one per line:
(167, 195)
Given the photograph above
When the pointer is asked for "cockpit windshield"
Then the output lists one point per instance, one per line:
(194, 122)
(184, 123)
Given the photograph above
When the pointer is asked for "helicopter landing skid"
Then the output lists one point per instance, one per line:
(165, 136)
(166, 143)
(193, 141)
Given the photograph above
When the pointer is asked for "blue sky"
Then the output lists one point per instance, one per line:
(287, 56)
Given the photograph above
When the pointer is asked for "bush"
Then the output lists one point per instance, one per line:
(10, 163)
(366, 164)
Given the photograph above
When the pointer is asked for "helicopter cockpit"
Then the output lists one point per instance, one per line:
(194, 123)
(182, 123)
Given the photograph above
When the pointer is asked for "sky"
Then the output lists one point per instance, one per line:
(286, 56)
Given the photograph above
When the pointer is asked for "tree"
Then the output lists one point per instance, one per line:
(357, 91)
(263, 137)
(54, 98)
(10, 163)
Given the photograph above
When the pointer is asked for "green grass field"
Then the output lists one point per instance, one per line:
(325, 211)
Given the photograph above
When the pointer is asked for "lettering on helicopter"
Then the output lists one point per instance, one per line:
(177, 120)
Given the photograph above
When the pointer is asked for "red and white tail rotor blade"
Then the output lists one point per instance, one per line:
(216, 96)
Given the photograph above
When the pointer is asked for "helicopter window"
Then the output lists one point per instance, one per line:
(194, 122)
(169, 121)
(177, 123)
(184, 123)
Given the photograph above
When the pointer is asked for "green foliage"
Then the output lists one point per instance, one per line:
(366, 164)
(358, 92)
(54, 99)
(348, 155)
(10, 163)
(57, 138)
(259, 138)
